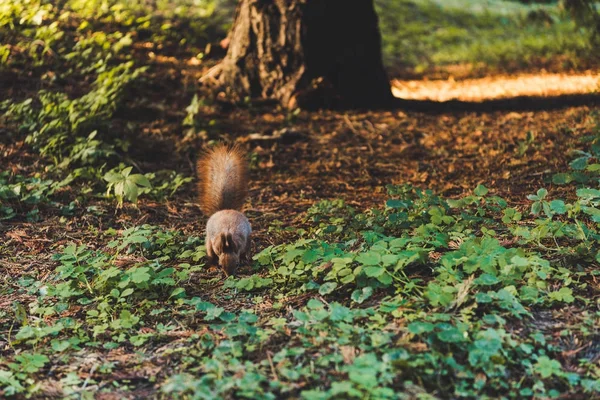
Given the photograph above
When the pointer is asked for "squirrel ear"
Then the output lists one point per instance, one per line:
(230, 242)
(227, 243)
(223, 242)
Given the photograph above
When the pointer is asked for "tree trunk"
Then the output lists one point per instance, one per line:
(307, 53)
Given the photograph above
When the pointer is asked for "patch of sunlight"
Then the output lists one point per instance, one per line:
(495, 87)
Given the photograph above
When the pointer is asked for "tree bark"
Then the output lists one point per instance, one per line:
(307, 53)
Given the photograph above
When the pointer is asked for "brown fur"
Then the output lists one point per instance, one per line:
(223, 179)
(223, 186)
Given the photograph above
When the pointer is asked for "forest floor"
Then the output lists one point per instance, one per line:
(435, 250)
(297, 161)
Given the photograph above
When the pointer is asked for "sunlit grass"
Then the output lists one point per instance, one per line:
(423, 34)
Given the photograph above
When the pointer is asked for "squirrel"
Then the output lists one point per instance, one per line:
(223, 188)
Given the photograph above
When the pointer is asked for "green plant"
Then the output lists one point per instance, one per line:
(585, 167)
(126, 185)
(21, 194)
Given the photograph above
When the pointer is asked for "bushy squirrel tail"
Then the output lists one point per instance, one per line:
(222, 179)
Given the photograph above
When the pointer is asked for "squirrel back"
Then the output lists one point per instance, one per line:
(222, 179)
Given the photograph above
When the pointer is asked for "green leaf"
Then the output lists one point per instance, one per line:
(130, 191)
(310, 256)
(487, 345)
(439, 295)
(177, 292)
(10, 383)
(227, 316)
(202, 305)
(31, 362)
(374, 272)
(565, 294)
(546, 367)
(389, 259)
(264, 257)
(136, 239)
(315, 304)
(127, 320)
(119, 189)
(60, 345)
(340, 313)
(562, 179)
(385, 279)
(418, 328)
(542, 193)
(558, 207)
(593, 167)
(588, 193)
(536, 208)
(369, 258)
(397, 204)
(487, 280)
(140, 275)
(140, 180)
(520, 261)
(213, 313)
(480, 191)
(112, 177)
(546, 208)
(451, 335)
(359, 296)
(579, 163)
(327, 288)
(483, 298)
(453, 203)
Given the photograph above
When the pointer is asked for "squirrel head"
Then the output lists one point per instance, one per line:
(229, 262)
(229, 257)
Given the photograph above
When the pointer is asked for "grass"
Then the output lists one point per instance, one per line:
(104, 291)
(419, 36)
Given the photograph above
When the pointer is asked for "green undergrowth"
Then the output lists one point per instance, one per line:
(497, 34)
(82, 56)
(424, 297)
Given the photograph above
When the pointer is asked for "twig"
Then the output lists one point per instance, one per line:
(350, 125)
(275, 377)
(88, 378)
